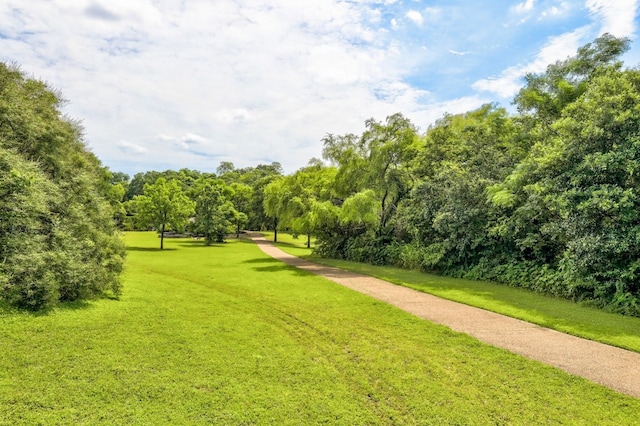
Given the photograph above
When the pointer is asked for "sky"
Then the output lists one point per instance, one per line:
(171, 84)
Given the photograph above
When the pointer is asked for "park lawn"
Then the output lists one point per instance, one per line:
(551, 312)
(226, 335)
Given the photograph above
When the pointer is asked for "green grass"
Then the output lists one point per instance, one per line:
(554, 313)
(295, 246)
(226, 335)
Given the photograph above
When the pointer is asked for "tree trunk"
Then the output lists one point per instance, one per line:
(275, 230)
(162, 238)
(308, 240)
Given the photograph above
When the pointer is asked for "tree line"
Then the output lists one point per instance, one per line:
(545, 199)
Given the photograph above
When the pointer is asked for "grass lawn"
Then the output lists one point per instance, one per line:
(558, 314)
(226, 335)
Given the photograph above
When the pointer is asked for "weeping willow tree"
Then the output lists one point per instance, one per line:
(58, 241)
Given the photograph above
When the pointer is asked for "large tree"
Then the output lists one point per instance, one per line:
(215, 214)
(163, 204)
(58, 239)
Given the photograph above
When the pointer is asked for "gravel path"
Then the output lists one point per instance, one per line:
(613, 367)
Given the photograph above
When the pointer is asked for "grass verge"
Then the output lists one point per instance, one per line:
(226, 335)
(550, 312)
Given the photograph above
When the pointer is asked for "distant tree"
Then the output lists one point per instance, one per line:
(241, 200)
(164, 203)
(225, 167)
(119, 177)
(136, 186)
(277, 196)
(215, 214)
(310, 186)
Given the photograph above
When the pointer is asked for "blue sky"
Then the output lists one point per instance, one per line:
(168, 84)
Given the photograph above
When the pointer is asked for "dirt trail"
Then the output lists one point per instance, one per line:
(613, 367)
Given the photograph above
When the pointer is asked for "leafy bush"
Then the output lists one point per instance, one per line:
(58, 240)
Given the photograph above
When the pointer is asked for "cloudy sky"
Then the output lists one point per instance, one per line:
(168, 84)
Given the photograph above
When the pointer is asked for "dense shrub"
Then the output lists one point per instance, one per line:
(58, 241)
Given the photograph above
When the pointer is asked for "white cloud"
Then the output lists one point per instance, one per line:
(556, 11)
(131, 148)
(415, 17)
(189, 141)
(552, 11)
(510, 81)
(618, 16)
(189, 83)
(432, 13)
(524, 7)
(259, 80)
(232, 115)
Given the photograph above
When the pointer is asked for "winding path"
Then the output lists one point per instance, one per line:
(609, 366)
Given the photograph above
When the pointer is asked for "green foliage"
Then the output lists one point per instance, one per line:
(164, 204)
(547, 94)
(573, 201)
(58, 241)
(215, 215)
(375, 163)
(546, 200)
(251, 201)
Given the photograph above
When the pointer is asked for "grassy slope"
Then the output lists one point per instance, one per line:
(226, 335)
(539, 309)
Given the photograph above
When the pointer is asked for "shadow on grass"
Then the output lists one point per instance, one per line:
(262, 260)
(294, 245)
(280, 268)
(132, 248)
(199, 244)
(7, 310)
(79, 305)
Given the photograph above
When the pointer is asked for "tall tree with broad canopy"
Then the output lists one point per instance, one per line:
(164, 203)
(372, 167)
(276, 202)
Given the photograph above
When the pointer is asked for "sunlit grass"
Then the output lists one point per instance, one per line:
(294, 245)
(558, 314)
(226, 335)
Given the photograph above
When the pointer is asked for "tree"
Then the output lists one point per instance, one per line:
(573, 204)
(547, 94)
(310, 185)
(276, 198)
(375, 166)
(58, 239)
(164, 203)
(241, 200)
(225, 167)
(25, 223)
(214, 212)
(447, 215)
(377, 161)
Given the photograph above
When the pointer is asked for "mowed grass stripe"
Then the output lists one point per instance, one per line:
(226, 335)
